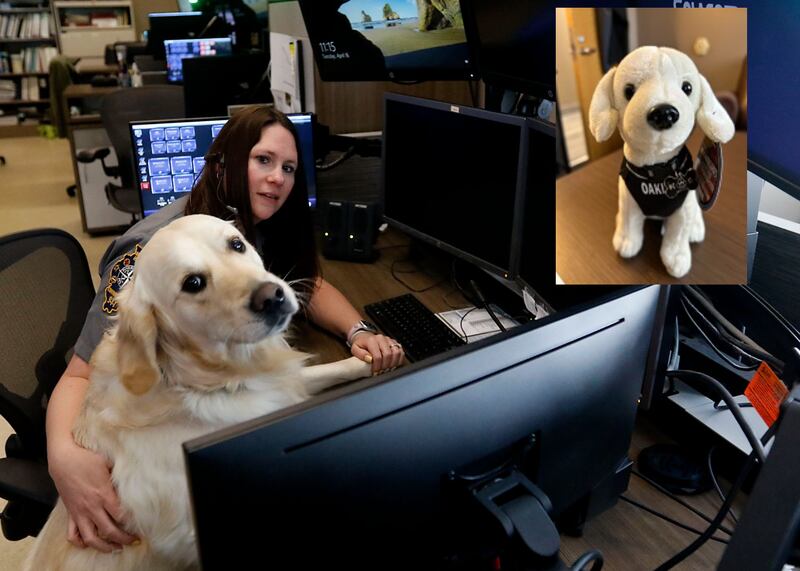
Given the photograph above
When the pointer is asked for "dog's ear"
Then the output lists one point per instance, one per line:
(136, 346)
(603, 116)
(711, 115)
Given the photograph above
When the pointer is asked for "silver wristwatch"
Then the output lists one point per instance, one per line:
(357, 328)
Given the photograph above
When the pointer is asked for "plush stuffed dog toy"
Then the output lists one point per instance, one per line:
(654, 96)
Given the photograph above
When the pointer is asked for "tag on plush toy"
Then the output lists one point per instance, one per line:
(709, 173)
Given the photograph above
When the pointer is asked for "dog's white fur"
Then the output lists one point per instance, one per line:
(175, 366)
(657, 73)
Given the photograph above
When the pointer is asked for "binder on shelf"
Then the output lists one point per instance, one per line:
(16, 63)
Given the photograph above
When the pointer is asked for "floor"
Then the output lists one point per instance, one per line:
(32, 195)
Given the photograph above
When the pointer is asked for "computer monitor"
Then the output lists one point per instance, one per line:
(772, 86)
(169, 156)
(211, 84)
(173, 26)
(537, 266)
(453, 176)
(369, 476)
(512, 43)
(370, 40)
(179, 50)
(767, 536)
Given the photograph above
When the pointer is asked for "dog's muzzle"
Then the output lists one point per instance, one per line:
(663, 116)
(269, 301)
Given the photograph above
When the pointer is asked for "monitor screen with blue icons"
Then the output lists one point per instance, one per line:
(169, 156)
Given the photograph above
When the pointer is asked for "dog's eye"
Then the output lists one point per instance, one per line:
(629, 91)
(237, 245)
(687, 88)
(194, 283)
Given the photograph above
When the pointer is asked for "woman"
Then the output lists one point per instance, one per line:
(252, 176)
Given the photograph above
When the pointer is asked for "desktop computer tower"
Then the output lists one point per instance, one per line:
(349, 230)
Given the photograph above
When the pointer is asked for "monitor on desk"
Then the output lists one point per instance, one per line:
(179, 50)
(169, 156)
(453, 176)
(173, 26)
(512, 43)
(211, 84)
(374, 475)
(367, 40)
(537, 265)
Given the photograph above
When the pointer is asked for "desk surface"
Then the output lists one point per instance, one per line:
(77, 93)
(83, 90)
(586, 207)
(629, 538)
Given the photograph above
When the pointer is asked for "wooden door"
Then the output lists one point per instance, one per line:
(588, 72)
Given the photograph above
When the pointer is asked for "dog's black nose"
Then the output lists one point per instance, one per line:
(268, 297)
(663, 116)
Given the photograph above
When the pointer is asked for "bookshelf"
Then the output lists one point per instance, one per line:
(27, 44)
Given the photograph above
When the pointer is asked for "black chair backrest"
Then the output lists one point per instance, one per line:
(45, 292)
(137, 104)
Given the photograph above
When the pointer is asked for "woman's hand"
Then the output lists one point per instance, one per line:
(83, 479)
(383, 352)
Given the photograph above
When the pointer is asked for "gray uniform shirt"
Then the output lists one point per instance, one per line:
(116, 270)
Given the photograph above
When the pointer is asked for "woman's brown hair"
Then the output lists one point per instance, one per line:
(287, 237)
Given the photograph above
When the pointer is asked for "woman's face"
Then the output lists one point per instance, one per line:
(271, 171)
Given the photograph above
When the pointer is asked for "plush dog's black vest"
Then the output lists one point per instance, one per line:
(660, 189)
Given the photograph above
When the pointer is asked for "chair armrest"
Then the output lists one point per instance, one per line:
(26, 480)
(91, 155)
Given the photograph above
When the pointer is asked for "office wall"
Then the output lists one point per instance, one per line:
(725, 29)
(141, 8)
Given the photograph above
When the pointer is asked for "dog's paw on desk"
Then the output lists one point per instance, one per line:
(355, 368)
(320, 377)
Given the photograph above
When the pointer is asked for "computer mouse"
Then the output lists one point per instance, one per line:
(675, 468)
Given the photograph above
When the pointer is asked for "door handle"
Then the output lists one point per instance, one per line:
(584, 51)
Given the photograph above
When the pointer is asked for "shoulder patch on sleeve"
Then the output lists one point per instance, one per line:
(121, 274)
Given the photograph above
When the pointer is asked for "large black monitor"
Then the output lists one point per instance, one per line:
(169, 156)
(512, 43)
(537, 237)
(773, 85)
(372, 475)
(172, 25)
(211, 84)
(454, 177)
(767, 536)
(180, 50)
(371, 40)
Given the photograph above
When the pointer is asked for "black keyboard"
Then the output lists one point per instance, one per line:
(413, 325)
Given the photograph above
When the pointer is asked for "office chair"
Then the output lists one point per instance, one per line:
(45, 292)
(62, 74)
(117, 110)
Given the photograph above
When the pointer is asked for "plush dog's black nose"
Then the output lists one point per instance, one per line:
(663, 116)
(268, 297)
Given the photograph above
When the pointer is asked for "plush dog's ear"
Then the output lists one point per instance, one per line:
(603, 115)
(136, 346)
(711, 115)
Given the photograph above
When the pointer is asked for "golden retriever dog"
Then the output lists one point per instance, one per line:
(197, 345)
